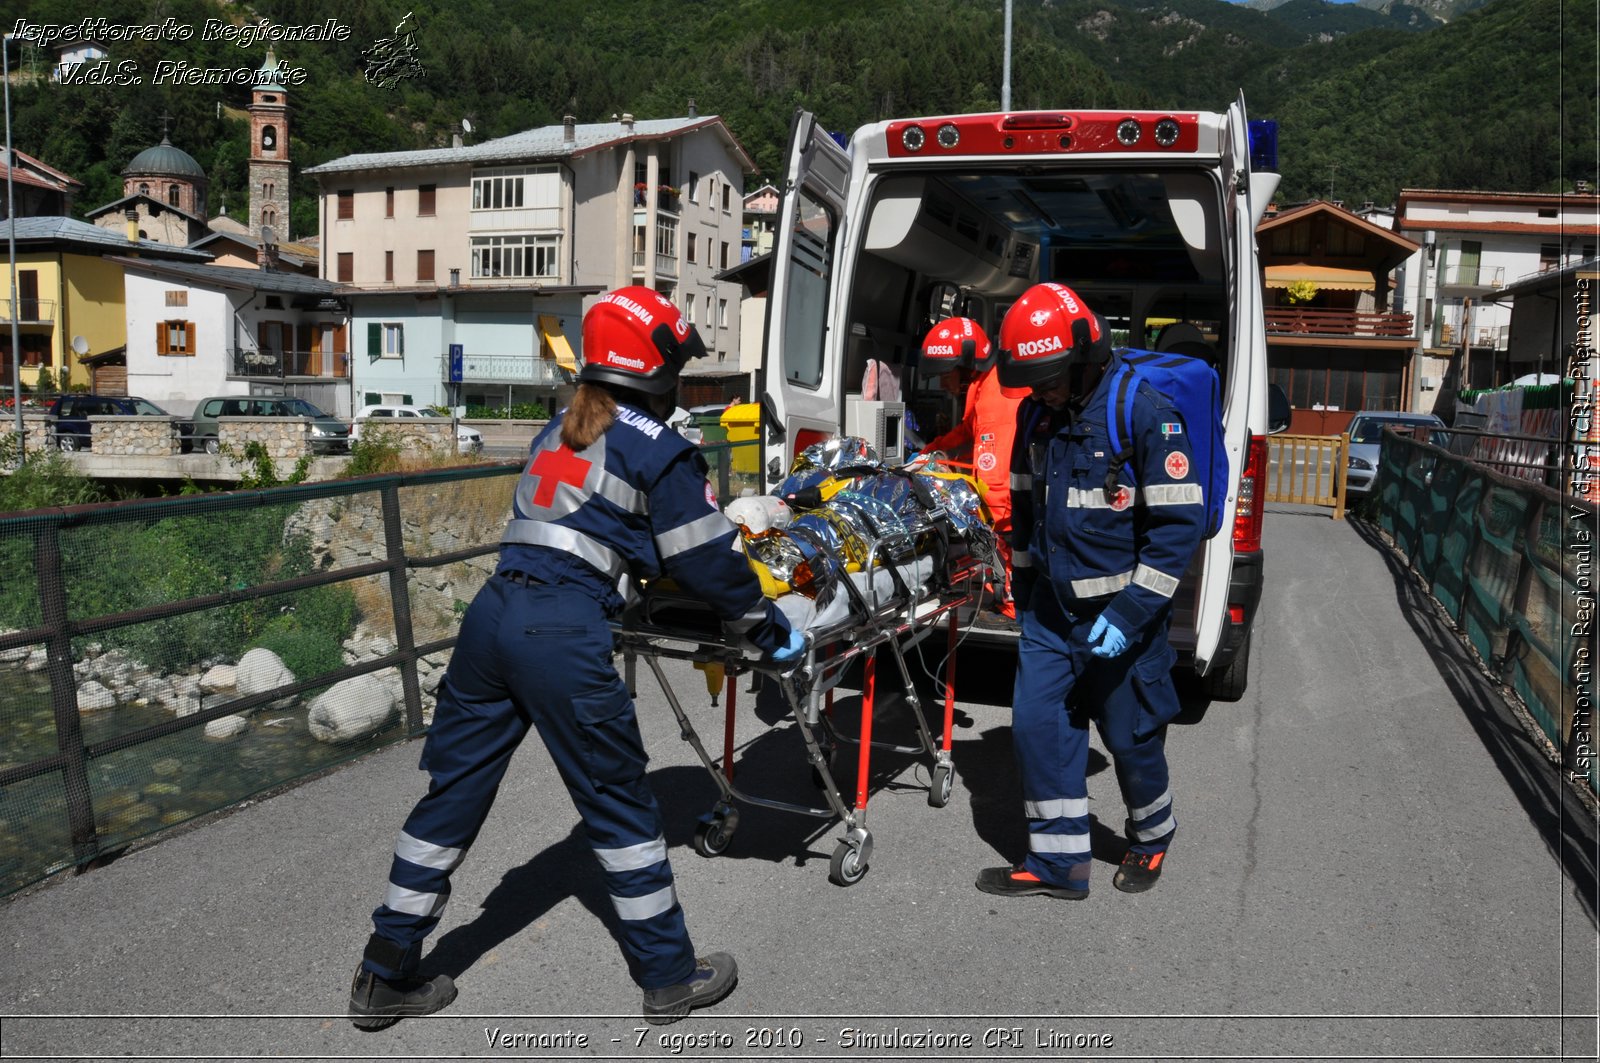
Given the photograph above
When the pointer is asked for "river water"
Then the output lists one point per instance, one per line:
(147, 787)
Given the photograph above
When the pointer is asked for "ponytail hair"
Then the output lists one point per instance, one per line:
(592, 410)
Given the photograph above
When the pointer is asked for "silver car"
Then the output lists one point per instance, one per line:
(1366, 443)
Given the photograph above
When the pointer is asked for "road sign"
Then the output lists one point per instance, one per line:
(457, 354)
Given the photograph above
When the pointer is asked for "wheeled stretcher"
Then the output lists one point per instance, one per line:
(892, 583)
(895, 623)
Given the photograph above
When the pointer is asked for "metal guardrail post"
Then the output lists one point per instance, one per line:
(400, 598)
(64, 691)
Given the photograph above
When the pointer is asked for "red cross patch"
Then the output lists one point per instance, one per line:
(1123, 499)
(554, 468)
(1177, 466)
(711, 495)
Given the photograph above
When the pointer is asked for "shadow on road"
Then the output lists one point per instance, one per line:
(1560, 815)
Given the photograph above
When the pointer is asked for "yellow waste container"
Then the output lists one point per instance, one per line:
(743, 424)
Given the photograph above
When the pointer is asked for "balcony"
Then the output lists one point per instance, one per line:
(1484, 337)
(250, 362)
(1295, 321)
(1459, 278)
(666, 267)
(506, 369)
(29, 311)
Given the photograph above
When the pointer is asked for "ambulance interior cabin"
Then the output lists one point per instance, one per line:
(1144, 249)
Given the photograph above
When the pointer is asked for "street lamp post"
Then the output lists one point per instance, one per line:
(11, 231)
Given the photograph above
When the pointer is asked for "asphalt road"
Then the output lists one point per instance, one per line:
(1375, 861)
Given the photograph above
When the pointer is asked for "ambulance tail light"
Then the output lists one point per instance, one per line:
(1252, 504)
(1044, 133)
(807, 436)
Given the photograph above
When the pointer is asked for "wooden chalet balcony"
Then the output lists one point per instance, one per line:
(1294, 321)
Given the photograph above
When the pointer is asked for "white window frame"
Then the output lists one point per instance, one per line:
(722, 313)
(688, 308)
(527, 256)
(394, 339)
(666, 236)
(515, 188)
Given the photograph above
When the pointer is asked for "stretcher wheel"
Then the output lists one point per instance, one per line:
(942, 786)
(712, 836)
(846, 868)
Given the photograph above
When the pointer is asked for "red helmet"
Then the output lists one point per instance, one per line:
(1047, 330)
(634, 337)
(956, 342)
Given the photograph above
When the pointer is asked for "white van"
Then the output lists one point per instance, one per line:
(1149, 215)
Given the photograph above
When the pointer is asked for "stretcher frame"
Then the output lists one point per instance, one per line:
(900, 623)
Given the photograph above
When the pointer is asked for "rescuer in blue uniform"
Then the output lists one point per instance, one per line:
(609, 494)
(1095, 564)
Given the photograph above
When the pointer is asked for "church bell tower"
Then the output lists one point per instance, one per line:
(269, 153)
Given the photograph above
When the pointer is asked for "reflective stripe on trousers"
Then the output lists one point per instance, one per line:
(1055, 669)
(541, 655)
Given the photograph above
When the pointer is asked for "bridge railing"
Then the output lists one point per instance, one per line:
(1511, 562)
(163, 659)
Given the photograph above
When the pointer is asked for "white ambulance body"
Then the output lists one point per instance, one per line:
(1150, 216)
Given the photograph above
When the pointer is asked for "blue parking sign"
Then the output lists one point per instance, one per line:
(457, 353)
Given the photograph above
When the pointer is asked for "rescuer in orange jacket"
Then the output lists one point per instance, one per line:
(987, 425)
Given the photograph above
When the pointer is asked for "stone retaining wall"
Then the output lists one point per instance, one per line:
(284, 437)
(417, 435)
(35, 429)
(135, 435)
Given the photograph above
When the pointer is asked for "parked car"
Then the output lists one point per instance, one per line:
(70, 425)
(468, 440)
(1366, 443)
(329, 435)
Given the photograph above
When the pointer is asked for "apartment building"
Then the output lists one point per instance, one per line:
(491, 252)
(1473, 243)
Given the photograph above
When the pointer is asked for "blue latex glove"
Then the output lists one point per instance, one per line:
(795, 646)
(1115, 641)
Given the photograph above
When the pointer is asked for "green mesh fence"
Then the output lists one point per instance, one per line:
(1511, 563)
(161, 660)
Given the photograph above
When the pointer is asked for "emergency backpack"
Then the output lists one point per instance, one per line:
(1192, 386)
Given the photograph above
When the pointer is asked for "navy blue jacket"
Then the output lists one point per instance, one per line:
(634, 504)
(1122, 557)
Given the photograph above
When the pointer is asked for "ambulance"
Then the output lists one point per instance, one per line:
(1149, 215)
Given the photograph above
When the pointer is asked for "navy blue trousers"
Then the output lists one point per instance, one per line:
(538, 655)
(1060, 686)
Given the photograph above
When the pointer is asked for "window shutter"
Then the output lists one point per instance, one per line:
(372, 399)
(161, 337)
(188, 337)
(406, 400)
(341, 337)
(374, 340)
(400, 339)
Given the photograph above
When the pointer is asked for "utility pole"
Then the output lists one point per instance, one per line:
(11, 229)
(1005, 86)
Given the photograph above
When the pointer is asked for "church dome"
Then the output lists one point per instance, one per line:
(164, 160)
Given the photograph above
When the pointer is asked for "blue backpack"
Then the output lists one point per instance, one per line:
(1192, 386)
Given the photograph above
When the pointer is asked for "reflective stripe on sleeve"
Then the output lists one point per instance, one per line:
(633, 857)
(1058, 843)
(1091, 498)
(559, 537)
(412, 902)
(755, 615)
(1059, 808)
(650, 905)
(426, 854)
(1174, 495)
(1103, 585)
(1155, 580)
(1021, 481)
(1152, 808)
(695, 533)
(1022, 559)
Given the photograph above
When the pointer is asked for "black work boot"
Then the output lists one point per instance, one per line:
(1139, 871)
(377, 1002)
(1017, 882)
(714, 977)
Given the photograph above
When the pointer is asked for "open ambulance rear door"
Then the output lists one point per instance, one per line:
(1229, 588)
(801, 357)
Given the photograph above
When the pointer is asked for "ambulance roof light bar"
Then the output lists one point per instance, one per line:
(1044, 132)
